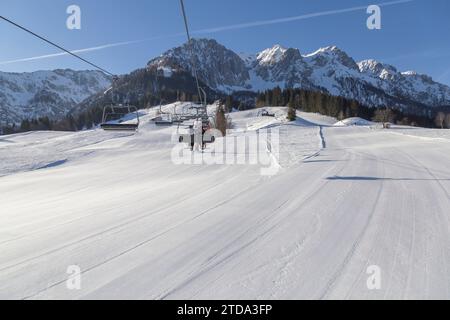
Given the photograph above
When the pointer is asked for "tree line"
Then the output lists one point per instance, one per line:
(296, 99)
(342, 108)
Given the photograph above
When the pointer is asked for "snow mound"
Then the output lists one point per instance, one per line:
(253, 120)
(353, 122)
(316, 118)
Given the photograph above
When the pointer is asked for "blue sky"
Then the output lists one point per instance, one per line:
(415, 35)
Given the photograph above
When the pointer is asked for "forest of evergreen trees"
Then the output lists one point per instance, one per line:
(304, 100)
(85, 120)
(334, 106)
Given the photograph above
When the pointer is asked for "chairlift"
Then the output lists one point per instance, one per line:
(178, 119)
(187, 136)
(115, 118)
(164, 120)
(202, 110)
(186, 114)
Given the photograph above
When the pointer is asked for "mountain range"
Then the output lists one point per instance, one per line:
(222, 71)
(46, 93)
(328, 69)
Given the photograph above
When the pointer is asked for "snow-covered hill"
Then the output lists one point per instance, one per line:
(46, 93)
(329, 69)
(345, 200)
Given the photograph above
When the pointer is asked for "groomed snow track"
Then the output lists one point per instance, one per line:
(141, 227)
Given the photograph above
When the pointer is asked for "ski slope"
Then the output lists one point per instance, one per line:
(140, 227)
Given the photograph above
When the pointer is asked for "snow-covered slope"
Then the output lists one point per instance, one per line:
(46, 93)
(140, 226)
(329, 69)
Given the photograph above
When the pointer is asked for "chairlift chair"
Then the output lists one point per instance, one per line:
(164, 120)
(178, 119)
(114, 118)
(187, 136)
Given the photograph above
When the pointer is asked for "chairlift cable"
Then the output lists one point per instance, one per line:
(191, 48)
(57, 46)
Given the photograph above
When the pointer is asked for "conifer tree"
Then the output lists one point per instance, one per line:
(292, 115)
(221, 120)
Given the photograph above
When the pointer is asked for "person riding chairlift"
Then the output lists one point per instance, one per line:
(197, 141)
(205, 128)
(192, 136)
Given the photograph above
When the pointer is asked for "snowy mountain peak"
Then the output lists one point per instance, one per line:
(216, 65)
(326, 50)
(329, 50)
(381, 70)
(332, 55)
(414, 74)
(375, 66)
(409, 73)
(272, 55)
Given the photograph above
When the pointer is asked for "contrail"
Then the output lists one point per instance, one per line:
(102, 47)
(212, 30)
(74, 51)
(296, 18)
